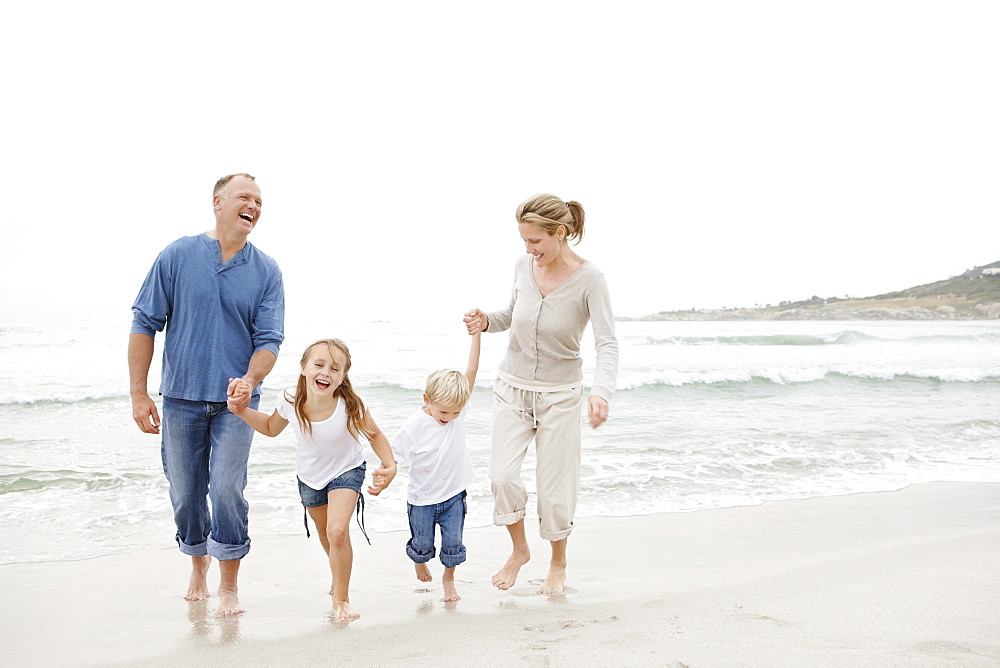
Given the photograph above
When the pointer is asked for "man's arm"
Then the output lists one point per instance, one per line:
(260, 365)
(140, 357)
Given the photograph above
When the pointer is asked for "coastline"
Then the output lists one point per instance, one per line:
(905, 578)
(854, 310)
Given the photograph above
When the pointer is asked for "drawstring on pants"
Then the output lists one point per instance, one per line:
(521, 409)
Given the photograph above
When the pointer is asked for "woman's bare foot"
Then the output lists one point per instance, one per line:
(448, 580)
(423, 572)
(555, 580)
(342, 611)
(229, 603)
(507, 575)
(198, 584)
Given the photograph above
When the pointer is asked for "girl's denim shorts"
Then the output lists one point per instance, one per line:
(314, 498)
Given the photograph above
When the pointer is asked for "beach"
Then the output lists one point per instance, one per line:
(910, 578)
(773, 494)
(706, 415)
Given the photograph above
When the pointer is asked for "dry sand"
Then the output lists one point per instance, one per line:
(908, 578)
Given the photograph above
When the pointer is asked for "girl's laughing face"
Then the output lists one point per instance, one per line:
(324, 370)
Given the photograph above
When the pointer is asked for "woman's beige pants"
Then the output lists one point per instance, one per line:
(552, 419)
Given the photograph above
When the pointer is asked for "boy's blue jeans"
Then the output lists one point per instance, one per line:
(205, 450)
(450, 516)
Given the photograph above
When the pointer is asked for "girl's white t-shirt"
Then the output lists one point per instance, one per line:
(329, 452)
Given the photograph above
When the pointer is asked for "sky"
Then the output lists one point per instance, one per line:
(726, 153)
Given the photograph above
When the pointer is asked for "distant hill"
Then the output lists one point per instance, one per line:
(974, 295)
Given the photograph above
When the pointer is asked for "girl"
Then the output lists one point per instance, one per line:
(328, 419)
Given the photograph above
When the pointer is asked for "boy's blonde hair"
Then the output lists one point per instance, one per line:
(448, 387)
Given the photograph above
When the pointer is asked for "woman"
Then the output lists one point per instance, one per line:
(539, 390)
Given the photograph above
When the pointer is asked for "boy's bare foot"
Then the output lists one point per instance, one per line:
(423, 572)
(198, 584)
(554, 581)
(450, 592)
(342, 611)
(507, 575)
(229, 603)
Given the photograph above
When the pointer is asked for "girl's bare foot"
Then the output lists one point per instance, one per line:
(198, 584)
(554, 581)
(229, 603)
(342, 611)
(450, 592)
(507, 575)
(423, 572)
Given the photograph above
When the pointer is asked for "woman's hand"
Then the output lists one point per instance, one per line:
(597, 411)
(476, 321)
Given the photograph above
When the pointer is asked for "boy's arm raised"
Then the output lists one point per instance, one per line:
(473, 368)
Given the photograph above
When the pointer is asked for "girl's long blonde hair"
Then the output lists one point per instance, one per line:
(359, 422)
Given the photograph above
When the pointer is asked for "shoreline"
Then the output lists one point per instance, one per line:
(987, 313)
(910, 577)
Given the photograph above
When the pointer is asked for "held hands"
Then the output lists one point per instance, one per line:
(597, 411)
(476, 321)
(238, 394)
(381, 477)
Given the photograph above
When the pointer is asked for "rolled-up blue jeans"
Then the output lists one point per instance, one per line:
(450, 516)
(205, 450)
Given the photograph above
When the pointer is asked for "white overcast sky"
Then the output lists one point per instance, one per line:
(726, 153)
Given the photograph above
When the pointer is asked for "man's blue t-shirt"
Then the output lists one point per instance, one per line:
(216, 317)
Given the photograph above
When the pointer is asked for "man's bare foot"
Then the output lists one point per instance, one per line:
(198, 584)
(423, 572)
(554, 581)
(342, 611)
(450, 592)
(507, 575)
(229, 603)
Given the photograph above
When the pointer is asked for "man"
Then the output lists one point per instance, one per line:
(222, 303)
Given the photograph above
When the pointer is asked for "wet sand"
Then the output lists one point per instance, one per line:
(906, 578)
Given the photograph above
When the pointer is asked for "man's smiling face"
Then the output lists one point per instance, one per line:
(238, 206)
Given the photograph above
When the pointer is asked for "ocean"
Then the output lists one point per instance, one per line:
(707, 415)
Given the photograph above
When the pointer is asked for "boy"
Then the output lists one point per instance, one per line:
(432, 441)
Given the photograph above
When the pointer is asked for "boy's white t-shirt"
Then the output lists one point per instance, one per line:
(439, 461)
(330, 452)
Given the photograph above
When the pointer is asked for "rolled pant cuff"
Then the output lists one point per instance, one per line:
(452, 556)
(419, 557)
(199, 550)
(505, 519)
(224, 552)
(555, 535)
